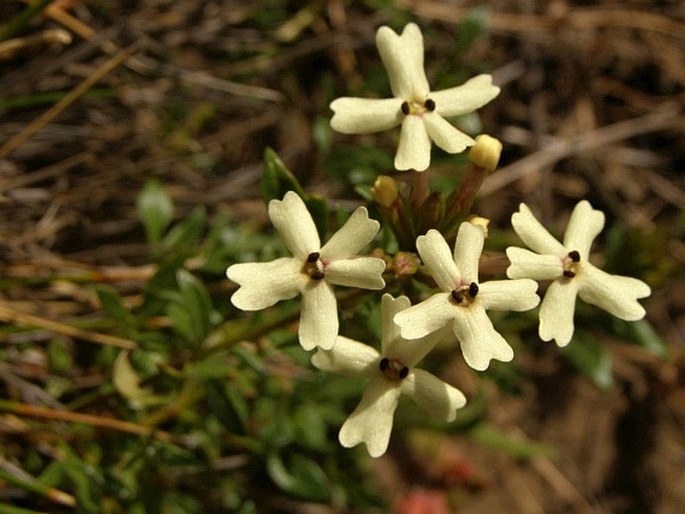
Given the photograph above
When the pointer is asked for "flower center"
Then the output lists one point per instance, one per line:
(314, 266)
(417, 107)
(571, 264)
(465, 295)
(393, 369)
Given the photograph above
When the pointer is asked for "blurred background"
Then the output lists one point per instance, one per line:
(132, 137)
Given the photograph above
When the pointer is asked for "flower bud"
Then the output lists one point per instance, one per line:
(486, 152)
(384, 190)
(481, 222)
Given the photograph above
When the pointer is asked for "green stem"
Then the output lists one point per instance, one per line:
(19, 22)
(38, 488)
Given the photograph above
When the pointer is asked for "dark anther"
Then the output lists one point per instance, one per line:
(473, 289)
(313, 257)
(385, 363)
(405, 108)
(404, 372)
(570, 274)
(429, 104)
(317, 275)
(457, 296)
(574, 255)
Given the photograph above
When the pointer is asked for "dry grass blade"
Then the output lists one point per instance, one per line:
(580, 18)
(668, 116)
(11, 315)
(23, 409)
(104, 70)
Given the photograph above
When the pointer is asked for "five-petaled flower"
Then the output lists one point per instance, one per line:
(391, 373)
(420, 111)
(464, 301)
(311, 271)
(572, 274)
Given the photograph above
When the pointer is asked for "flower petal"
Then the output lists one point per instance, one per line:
(390, 331)
(262, 284)
(319, 316)
(426, 317)
(295, 225)
(357, 232)
(348, 357)
(526, 264)
(432, 394)
(445, 135)
(365, 115)
(508, 295)
(615, 294)
(467, 250)
(402, 57)
(480, 342)
(556, 311)
(394, 346)
(468, 97)
(362, 272)
(371, 422)
(414, 150)
(583, 226)
(411, 351)
(436, 256)
(533, 234)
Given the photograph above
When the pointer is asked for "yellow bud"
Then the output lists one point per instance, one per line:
(481, 222)
(385, 190)
(486, 152)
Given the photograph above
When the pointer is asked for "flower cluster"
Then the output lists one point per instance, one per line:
(458, 308)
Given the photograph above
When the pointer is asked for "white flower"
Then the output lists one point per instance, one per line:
(569, 267)
(463, 302)
(391, 373)
(420, 111)
(311, 271)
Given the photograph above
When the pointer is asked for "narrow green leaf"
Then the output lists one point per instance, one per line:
(277, 179)
(155, 210)
(185, 237)
(228, 405)
(190, 308)
(19, 23)
(591, 358)
(113, 306)
(305, 478)
(491, 436)
(473, 26)
(642, 333)
(318, 208)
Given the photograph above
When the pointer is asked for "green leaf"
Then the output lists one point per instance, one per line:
(127, 383)
(277, 179)
(591, 358)
(305, 478)
(155, 210)
(228, 405)
(318, 208)
(185, 237)
(642, 333)
(159, 286)
(86, 480)
(19, 23)
(471, 28)
(190, 308)
(310, 427)
(113, 306)
(322, 133)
